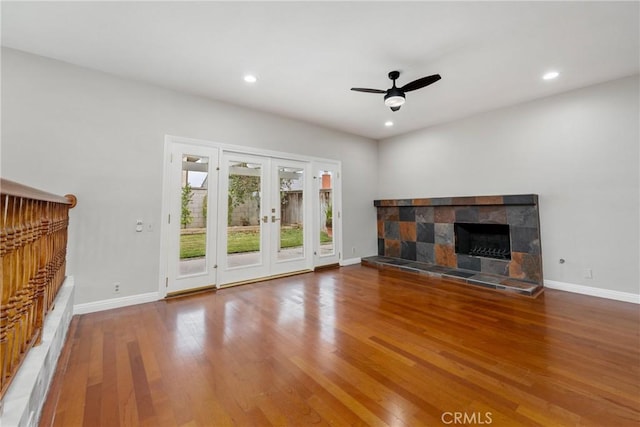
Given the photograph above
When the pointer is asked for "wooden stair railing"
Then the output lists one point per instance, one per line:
(33, 247)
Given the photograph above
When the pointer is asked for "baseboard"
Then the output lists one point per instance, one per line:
(92, 307)
(594, 292)
(350, 261)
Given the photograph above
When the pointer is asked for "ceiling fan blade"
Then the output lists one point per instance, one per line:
(361, 89)
(420, 83)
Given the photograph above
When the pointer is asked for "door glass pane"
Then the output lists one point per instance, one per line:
(291, 223)
(243, 219)
(327, 246)
(193, 215)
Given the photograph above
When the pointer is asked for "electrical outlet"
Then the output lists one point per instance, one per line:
(353, 250)
(116, 287)
(588, 273)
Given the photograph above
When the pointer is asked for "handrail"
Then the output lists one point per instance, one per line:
(33, 246)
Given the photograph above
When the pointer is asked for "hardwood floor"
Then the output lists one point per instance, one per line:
(352, 346)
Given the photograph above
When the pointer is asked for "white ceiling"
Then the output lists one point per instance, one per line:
(307, 55)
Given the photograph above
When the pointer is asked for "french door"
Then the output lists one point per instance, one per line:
(265, 222)
(193, 184)
(230, 216)
(328, 209)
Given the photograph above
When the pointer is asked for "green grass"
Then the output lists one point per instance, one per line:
(193, 245)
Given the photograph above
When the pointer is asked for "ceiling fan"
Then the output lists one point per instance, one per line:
(394, 96)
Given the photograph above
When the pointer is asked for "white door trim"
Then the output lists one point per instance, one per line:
(221, 147)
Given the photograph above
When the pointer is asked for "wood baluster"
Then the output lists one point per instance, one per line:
(14, 278)
(5, 253)
(32, 251)
(41, 272)
(20, 274)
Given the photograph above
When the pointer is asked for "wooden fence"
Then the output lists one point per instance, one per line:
(33, 247)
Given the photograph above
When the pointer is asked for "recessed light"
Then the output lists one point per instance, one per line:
(250, 78)
(550, 75)
(388, 124)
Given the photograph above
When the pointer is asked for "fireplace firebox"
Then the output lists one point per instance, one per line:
(483, 240)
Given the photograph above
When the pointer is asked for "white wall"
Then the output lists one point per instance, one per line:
(578, 151)
(67, 129)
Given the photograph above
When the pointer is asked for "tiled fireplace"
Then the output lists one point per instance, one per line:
(494, 238)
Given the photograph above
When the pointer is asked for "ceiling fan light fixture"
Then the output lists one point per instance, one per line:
(394, 100)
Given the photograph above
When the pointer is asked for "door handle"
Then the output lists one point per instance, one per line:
(274, 219)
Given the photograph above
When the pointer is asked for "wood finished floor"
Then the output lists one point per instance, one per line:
(352, 346)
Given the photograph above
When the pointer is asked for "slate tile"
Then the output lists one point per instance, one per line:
(444, 214)
(521, 199)
(525, 266)
(408, 250)
(424, 214)
(407, 213)
(392, 230)
(390, 214)
(522, 216)
(425, 252)
(408, 231)
(392, 248)
(525, 239)
(381, 247)
(492, 214)
(441, 201)
(466, 214)
(425, 232)
(469, 263)
(445, 255)
(443, 234)
(494, 266)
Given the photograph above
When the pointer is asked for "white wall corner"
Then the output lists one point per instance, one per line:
(350, 261)
(92, 307)
(594, 292)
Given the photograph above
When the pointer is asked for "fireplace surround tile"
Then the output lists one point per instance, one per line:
(422, 230)
(522, 216)
(425, 232)
(444, 214)
(407, 213)
(443, 233)
(408, 231)
(390, 214)
(492, 215)
(392, 230)
(525, 239)
(424, 214)
(468, 262)
(425, 252)
(495, 266)
(392, 248)
(408, 250)
(445, 255)
(467, 214)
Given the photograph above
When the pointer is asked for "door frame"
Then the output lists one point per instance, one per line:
(221, 147)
